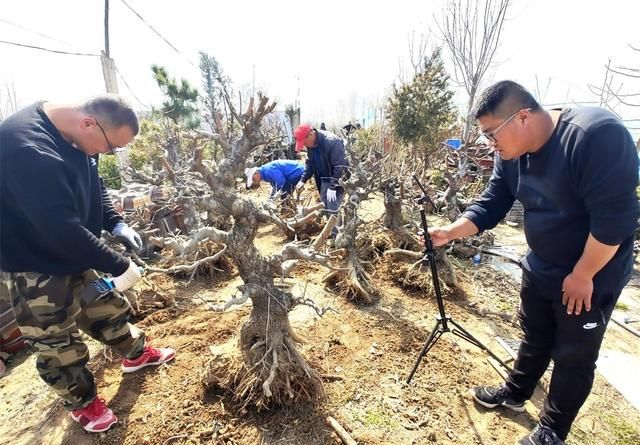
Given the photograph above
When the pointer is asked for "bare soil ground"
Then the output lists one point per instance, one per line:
(369, 349)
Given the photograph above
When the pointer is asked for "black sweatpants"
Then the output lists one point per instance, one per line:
(573, 342)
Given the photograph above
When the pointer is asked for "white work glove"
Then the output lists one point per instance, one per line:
(130, 277)
(299, 185)
(331, 195)
(127, 235)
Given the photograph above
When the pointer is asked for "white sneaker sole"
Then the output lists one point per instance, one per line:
(95, 430)
(516, 408)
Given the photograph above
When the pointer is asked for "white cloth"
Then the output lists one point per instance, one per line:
(331, 195)
(130, 277)
(249, 172)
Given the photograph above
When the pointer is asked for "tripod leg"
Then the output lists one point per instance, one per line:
(464, 334)
(433, 338)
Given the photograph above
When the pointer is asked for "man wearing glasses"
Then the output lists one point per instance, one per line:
(575, 172)
(53, 208)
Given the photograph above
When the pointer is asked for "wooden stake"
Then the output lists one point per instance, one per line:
(341, 432)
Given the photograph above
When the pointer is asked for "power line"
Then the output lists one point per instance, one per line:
(48, 50)
(34, 32)
(129, 88)
(157, 32)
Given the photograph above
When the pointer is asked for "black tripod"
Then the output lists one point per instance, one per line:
(442, 320)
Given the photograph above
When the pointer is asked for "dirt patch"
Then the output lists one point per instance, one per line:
(365, 354)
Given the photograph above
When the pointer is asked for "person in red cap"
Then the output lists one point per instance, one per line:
(326, 162)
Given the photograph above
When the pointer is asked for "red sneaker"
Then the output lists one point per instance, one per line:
(95, 417)
(150, 357)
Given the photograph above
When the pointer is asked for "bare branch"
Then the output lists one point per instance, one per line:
(138, 176)
(326, 231)
(405, 253)
(635, 76)
(472, 40)
(264, 216)
(317, 244)
(417, 55)
(320, 311)
(296, 222)
(304, 211)
(344, 436)
(216, 137)
(234, 301)
(188, 267)
(609, 96)
(183, 246)
(292, 251)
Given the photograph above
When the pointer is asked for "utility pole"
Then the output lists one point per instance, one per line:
(296, 104)
(108, 65)
(111, 84)
(107, 52)
(253, 82)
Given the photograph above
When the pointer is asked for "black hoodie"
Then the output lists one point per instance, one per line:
(53, 204)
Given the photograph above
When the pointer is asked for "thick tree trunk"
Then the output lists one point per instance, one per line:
(451, 197)
(267, 369)
(392, 206)
(352, 280)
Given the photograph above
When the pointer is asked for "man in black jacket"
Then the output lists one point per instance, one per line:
(53, 208)
(326, 162)
(575, 171)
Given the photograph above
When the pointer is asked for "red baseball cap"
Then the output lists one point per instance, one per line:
(300, 134)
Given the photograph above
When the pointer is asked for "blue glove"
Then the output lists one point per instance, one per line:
(127, 235)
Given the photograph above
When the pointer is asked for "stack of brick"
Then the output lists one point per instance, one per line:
(152, 204)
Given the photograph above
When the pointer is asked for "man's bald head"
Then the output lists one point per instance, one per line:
(112, 110)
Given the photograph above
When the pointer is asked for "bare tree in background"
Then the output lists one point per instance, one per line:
(8, 101)
(540, 94)
(418, 48)
(471, 33)
(614, 92)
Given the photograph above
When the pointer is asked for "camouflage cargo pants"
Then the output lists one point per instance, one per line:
(50, 314)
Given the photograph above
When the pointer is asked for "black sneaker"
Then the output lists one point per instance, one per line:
(493, 396)
(541, 435)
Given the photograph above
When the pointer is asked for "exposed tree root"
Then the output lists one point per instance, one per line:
(413, 275)
(353, 282)
(271, 372)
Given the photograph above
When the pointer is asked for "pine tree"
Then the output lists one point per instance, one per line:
(422, 112)
(181, 104)
(211, 97)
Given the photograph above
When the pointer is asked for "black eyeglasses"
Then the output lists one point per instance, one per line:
(112, 148)
(492, 134)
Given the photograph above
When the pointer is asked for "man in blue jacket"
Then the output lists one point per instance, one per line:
(283, 175)
(326, 162)
(575, 171)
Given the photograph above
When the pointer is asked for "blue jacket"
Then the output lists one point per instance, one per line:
(327, 160)
(281, 172)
